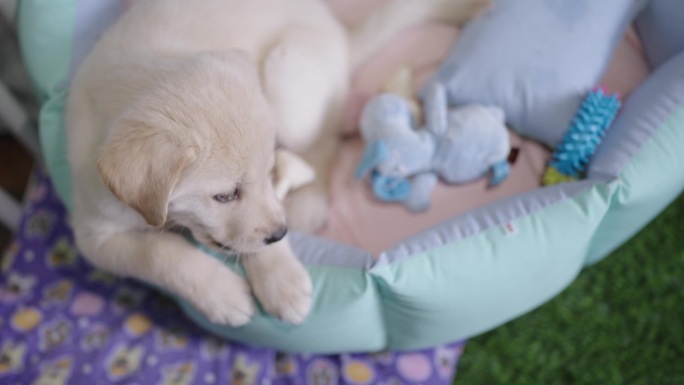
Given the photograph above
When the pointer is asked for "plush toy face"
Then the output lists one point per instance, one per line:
(389, 157)
(394, 148)
(385, 187)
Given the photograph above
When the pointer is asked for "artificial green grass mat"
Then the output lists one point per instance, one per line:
(620, 322)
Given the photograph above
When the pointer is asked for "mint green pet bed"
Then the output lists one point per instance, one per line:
(457, 279)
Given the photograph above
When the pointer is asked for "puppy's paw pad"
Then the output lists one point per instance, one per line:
(293, 306)
(229, 302)
(287, 294)
(232, 314)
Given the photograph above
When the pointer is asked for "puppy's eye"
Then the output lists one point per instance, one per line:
(228, 197)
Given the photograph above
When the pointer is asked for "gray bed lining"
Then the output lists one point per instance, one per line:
(92, 19)
(313, 250)
(493, 215)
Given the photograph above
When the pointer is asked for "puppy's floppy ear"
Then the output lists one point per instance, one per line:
(141, 165)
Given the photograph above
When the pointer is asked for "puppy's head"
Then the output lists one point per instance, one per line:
(198, 151)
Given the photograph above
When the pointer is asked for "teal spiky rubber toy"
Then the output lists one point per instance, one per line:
(571, 157)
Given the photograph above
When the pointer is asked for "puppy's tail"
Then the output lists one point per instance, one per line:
(397, 15)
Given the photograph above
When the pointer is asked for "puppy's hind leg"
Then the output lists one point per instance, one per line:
(303, 73)
(306, 78)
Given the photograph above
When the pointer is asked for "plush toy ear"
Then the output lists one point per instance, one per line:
(141, 165)
(436, 109)
(375, 153)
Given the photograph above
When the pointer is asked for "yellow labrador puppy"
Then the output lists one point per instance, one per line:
(173, 119)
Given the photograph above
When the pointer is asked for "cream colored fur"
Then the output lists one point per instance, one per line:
(180, 101)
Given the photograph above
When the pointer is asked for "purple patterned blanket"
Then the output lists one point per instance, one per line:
(64, 322)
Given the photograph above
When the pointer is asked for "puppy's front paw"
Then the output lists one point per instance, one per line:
(307, 209)
(224, 298)
(284, 290)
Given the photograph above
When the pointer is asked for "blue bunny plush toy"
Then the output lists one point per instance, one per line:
(456, 145)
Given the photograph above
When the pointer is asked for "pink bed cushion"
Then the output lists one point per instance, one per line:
(355, 216)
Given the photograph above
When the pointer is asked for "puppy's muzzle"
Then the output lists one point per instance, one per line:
(276, 236)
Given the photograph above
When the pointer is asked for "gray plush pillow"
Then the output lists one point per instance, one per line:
(536, 59)
(661, 27)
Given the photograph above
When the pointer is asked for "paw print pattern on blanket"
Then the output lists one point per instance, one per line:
(57, 293)
(95, 338)
(16, 287)
(11, 357)
(62, 255)
(125, 361)
(55, 334)
(179, 374)
(55, 372)
(39, 225)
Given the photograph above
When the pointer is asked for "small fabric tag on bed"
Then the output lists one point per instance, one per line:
(509, 228)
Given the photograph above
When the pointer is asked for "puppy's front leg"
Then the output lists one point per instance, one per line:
(280, 282)
(170, 262)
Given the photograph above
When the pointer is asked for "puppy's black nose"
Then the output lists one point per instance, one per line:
(275, 237)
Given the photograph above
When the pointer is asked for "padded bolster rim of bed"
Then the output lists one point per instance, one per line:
(437, 286)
